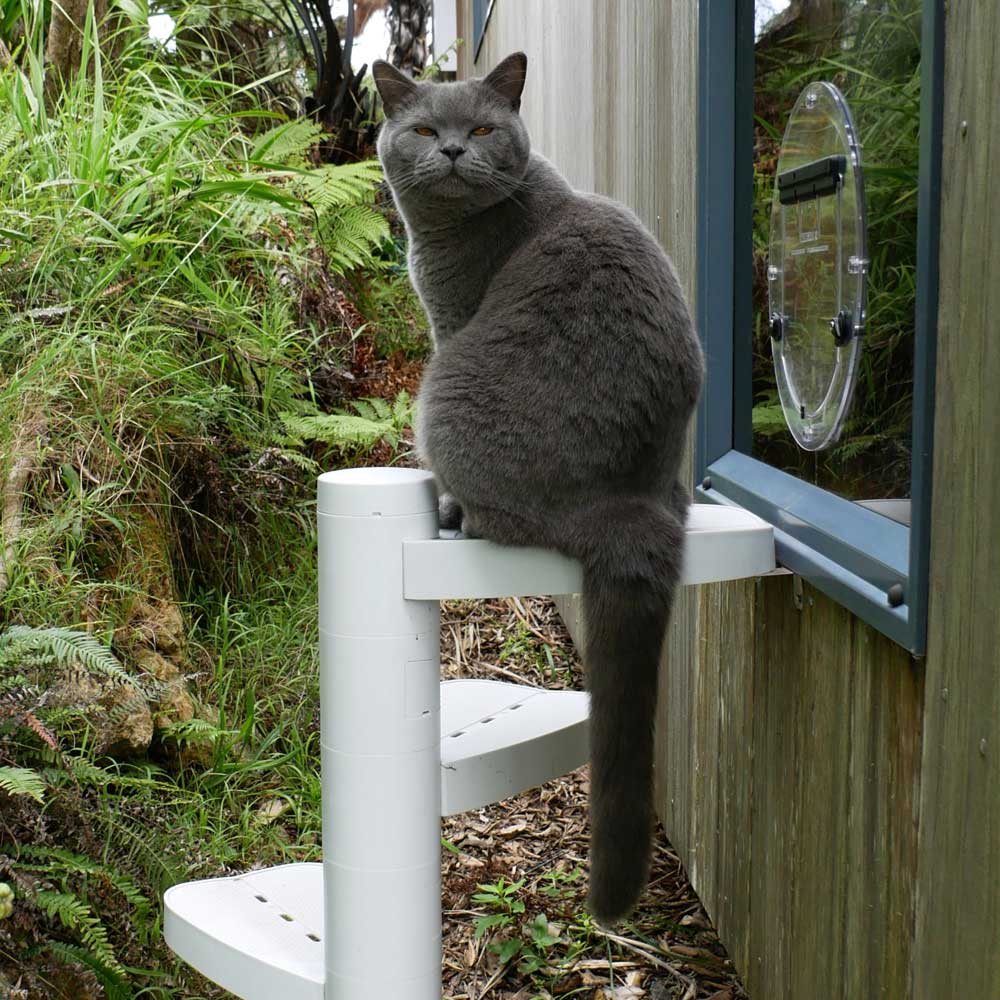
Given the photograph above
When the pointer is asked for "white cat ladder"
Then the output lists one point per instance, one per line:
(400, 748)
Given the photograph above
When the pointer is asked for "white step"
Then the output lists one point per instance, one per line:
(258, 935)
(498, 739)
(722, 543)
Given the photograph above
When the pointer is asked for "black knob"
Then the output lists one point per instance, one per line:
(842, 328)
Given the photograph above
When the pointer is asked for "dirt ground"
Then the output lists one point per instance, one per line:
(668, 950)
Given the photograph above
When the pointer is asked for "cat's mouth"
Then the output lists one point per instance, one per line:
(453, 182)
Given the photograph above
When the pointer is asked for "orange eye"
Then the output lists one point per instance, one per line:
(423, 130)
(482, 130)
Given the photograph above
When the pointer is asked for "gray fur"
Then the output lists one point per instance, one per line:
(553, 411)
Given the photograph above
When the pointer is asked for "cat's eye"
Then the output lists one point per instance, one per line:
(482, 130)
(423, 130)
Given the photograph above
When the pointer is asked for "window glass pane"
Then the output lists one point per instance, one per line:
(871, 52)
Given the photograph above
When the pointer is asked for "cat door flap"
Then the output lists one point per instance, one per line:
(817, 266)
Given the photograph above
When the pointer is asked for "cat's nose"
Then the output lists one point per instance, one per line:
(452, 151)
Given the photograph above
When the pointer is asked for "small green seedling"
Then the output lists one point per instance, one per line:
(530, 941)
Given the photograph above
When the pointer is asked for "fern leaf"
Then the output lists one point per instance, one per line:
(67, 646)
(22, 781)
(330, 187)
(75, 915)
(381, 408)
(403, 409)
(77, 955)
(61, 862)
(336, 428)
(364, 408)
(349, 234)
(288, 142)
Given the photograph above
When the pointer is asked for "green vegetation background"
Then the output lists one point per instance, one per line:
(185, 292)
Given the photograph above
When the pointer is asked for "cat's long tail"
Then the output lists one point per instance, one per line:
(631, 555)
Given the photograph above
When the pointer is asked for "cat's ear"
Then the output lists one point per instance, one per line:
(393, 87)
(507, 78)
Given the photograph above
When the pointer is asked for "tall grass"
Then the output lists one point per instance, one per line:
(157, 351)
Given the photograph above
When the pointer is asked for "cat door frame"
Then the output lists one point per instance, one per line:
(874, 566)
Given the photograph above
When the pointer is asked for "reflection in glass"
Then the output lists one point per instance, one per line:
(871, 52)
(817, 266)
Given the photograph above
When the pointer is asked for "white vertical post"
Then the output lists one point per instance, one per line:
(380, 706)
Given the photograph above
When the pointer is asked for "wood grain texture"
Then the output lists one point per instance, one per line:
(958, 914)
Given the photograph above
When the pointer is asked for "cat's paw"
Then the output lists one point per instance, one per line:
(449, 512)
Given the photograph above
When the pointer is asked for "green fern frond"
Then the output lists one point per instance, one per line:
(349, 234)
(336, 428)
(10, 131)
(195, 730)
(403, 409)
(59, 862)
(67, 646)
(373, 420)
(288, 142)
(365, 408)
(112, 982)
(75, 915)
(330, 187)
(303, 462)
(22, 781)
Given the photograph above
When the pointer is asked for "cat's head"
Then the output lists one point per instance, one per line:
(461, 144)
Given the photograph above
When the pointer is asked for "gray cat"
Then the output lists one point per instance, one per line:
(554, 408)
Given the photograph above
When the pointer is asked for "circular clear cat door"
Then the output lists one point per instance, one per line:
(817, 266)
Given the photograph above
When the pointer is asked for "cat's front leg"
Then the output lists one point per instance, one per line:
(449, 512)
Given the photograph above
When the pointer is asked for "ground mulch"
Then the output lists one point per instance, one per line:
(668, 950)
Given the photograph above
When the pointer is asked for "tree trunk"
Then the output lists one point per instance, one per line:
(65, 41)
(408, 19)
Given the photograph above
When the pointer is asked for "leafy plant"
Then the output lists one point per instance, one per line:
(171, 265)
(64, 646)
(373, 420)
(530, 941)
(22, 781)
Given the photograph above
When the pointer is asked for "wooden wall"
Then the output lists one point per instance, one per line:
(842, 830)
(789, 770)
(958, 913)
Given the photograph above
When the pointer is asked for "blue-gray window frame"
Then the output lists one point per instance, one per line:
(847, 551)
(481, 10)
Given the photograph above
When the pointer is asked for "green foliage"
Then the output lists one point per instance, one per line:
(63, 886)
(402, 325)
(155, 315)
(169, 266)
(64, 646)
(79, 918)
(374, 420)
(530, 941)
(22, 781)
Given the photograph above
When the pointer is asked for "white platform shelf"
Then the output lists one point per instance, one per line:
(723, 543)
(400, 749)
(259, 934)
